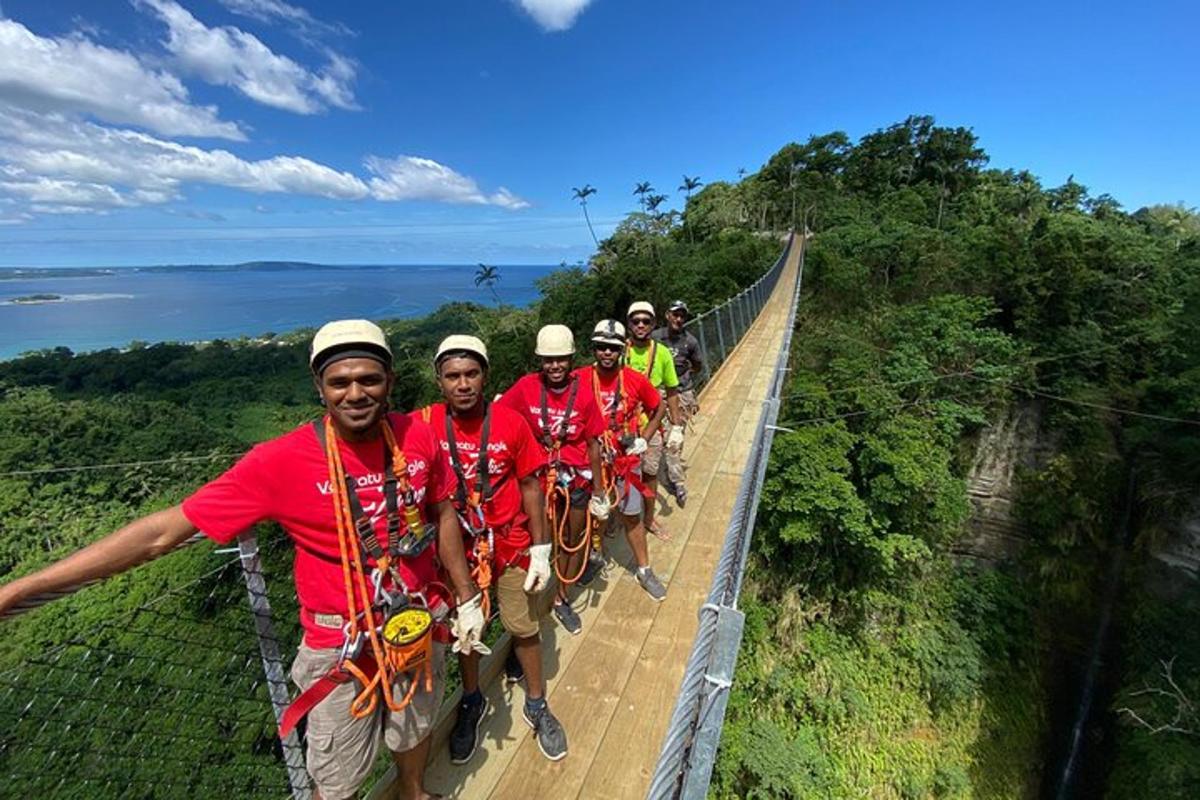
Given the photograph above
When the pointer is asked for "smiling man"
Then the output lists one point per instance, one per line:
(494, 465)
(567, 423)
(655, 363)
(359, 480)
(632, 412)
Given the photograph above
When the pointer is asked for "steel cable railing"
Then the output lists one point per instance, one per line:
(689, 747)
(721, 328)
(180, 695)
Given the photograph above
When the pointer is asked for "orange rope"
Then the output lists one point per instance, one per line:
(481, 573)
(558, 515)
(391, 660)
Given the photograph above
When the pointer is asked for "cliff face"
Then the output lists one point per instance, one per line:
(1176, 556)
(994, 534)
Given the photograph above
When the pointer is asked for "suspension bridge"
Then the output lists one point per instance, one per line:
(640, 691)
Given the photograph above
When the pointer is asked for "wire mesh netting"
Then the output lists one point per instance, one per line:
(166, 699)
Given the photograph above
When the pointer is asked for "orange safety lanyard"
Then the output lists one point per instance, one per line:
(360, 605)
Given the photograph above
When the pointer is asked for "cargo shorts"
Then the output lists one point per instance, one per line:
(341, 749)
(518, 610)
(652, 458)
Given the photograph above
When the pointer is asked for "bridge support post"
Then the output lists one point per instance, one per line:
(707, 374)
(720, 333)
(273, 669)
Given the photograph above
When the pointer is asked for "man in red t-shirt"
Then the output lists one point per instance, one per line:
(633, 410)
(494, 464)
(388, 473)
(567, 424)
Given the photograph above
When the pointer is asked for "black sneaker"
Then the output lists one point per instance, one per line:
(465, 736)
(594, 565)
(567, 617)
(513, 671)
(551, 738)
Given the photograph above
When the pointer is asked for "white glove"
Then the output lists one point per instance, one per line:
(637, 448)
(468, 627)
(599, 507)
(539, 568)
(675, 438)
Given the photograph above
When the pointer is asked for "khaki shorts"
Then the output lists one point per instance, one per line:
(341, 749)
(687, 401)
(518, 610)
(653, 455)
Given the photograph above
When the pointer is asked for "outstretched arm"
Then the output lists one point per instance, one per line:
(140, 541)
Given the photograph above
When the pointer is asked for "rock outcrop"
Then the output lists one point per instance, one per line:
(994, 534)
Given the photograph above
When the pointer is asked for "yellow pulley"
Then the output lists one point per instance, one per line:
(407, 626)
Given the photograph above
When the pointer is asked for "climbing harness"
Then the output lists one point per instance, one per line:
(620, 433)
(558, 484)
(390, 631)
(469, 503)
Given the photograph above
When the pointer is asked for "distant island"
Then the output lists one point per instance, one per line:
(34, 299)
(37, 273)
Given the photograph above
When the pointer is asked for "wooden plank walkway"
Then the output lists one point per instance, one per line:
(613, 687)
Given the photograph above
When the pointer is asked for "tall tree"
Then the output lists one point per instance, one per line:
(687, 187)
(487, 276)
(642, 189)
(582, 195)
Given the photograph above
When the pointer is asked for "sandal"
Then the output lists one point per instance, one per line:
(661, 533)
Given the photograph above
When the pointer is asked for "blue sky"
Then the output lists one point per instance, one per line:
(186, 131)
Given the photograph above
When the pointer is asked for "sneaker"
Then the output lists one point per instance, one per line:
(568, 618)
(551, 738)
(680, 495)
(594, 565)
(465, 736)
(513, 671)
(651, 584)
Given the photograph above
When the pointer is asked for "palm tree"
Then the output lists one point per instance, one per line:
(653, 202)
(582, 195)
(688, 185)
(488, 276)
(642, 189)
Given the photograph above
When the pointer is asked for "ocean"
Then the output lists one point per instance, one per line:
(113, 307)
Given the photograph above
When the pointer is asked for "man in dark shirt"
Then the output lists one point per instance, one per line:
(689, 361)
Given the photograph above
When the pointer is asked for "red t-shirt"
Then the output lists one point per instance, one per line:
(638, 396)
(512, 455)
(586, 422)
(287, 480)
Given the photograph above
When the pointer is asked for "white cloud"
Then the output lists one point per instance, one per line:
(229, 56)
(278, 11)
(73, 74)
(415, 178)
(555, 15)
(53, 160)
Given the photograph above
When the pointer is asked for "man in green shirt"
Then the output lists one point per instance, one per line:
(654, 360)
